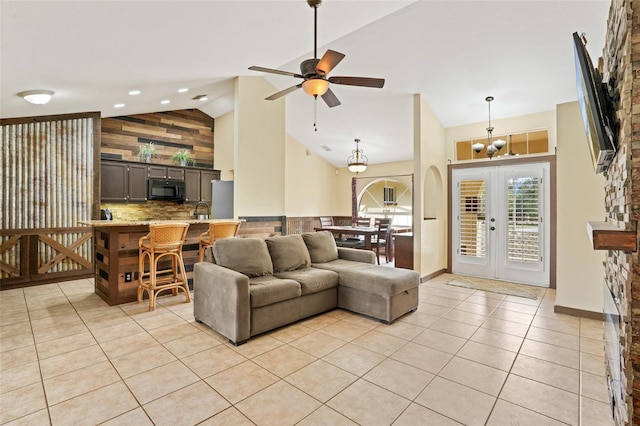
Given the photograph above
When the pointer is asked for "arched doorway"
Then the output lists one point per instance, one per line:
(384, 196)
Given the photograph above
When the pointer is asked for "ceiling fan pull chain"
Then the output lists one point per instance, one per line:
(315, 112)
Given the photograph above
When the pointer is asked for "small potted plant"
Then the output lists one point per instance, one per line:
(183, 157)
(146, 151)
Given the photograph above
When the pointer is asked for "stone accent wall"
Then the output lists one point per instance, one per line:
(622, 203)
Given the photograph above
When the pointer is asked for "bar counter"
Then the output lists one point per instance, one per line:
(115, 245)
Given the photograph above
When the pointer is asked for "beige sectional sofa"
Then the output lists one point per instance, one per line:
(250, 285)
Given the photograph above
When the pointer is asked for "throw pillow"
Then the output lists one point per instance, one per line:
(322, 246)
(288, 253)
(248, 256)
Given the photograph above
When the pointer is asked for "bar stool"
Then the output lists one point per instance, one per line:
(162, 240)
(217, 230)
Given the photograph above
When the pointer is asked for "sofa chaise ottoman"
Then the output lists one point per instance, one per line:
(248, 286)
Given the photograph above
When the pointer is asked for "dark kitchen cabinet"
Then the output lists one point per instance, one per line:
(163, 172)
(137, 182)
(175, 173)
(205, 184)
(114, 181)
(123, 181)
(157, 172)
(192, 186)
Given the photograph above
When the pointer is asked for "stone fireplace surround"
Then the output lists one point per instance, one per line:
(620, 65)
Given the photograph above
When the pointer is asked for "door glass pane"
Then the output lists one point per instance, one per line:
(472, 219)
(523, 240)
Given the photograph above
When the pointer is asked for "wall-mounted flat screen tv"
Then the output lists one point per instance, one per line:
(594, 107)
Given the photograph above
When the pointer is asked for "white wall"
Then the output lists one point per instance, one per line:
(223, 146)
(259, 149)
(311, 183)
(430, 249)
(580, 270)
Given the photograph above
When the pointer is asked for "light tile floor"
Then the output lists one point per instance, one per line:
(465, 357)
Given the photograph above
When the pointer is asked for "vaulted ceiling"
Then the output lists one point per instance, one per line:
(454, 53)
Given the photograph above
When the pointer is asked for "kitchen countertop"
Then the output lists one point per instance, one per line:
(145, 222)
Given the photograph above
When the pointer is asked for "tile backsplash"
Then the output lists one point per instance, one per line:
(151, 210)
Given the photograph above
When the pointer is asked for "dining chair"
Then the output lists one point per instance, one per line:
(326, 221)
(163, 240)
(363, 221)
(360, 222)
(383, 238)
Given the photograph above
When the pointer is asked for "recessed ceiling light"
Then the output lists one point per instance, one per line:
(164, 102)
(183, 90)
(200, 98)
(118, 105)
(134, 92)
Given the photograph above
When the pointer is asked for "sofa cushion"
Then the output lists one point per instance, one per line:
(380, 280)
(248, 256)
(268, 289)
(288, 253)
(321, 245)
(340, 265)
(311, 280)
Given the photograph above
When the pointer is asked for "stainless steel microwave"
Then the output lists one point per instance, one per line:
(166, 189)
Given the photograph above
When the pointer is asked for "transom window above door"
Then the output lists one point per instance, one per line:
(523, 143)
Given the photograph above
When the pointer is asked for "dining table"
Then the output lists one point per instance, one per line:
(341, 231)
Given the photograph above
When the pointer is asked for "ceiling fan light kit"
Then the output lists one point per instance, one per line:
(314, 71)
(315, 86)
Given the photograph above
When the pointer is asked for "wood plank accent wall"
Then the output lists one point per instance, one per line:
(48, 167)
(169, 131)
(262, 226)
(298, 225)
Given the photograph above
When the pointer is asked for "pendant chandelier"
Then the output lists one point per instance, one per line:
(493, 146)
(357, 161)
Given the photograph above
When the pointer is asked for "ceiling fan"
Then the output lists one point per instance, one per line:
(314, 71)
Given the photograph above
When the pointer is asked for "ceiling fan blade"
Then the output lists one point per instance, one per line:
(330, 99)
(329, 60)
(272, 71)
(358, 81)
(283, 92)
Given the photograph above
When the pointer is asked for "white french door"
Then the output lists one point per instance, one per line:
(500, 217)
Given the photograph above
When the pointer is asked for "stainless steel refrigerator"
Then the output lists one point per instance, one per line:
(222, 199)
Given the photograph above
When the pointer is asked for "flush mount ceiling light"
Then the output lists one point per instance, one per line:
(357, 161)
(493, 147)
(37, 97)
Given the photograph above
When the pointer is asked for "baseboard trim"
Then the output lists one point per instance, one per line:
(433, 275)
(578, 312)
